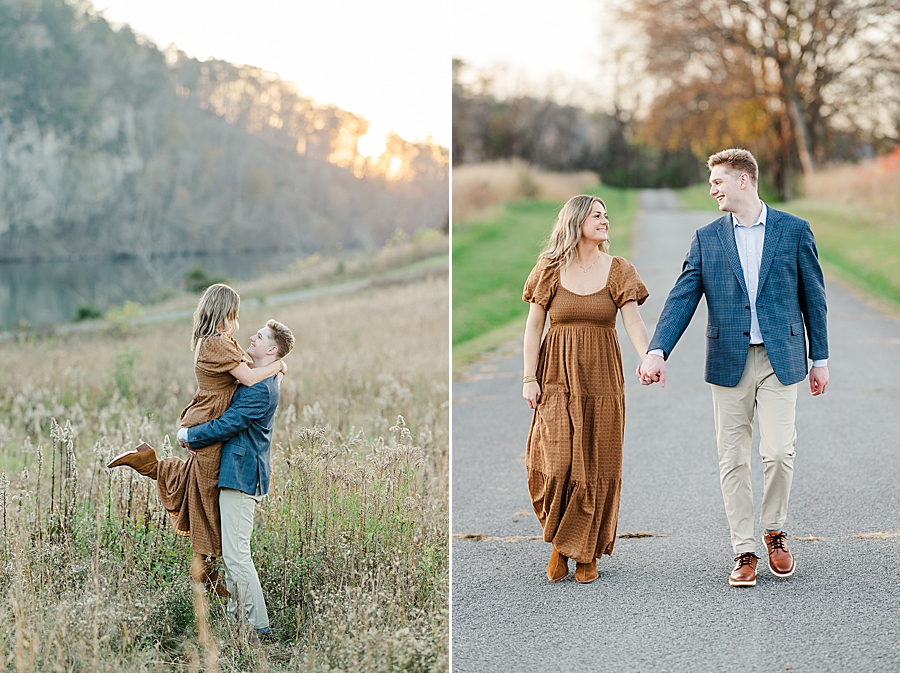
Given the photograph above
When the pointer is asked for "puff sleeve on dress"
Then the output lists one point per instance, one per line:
(219, 354)
(541, 284)
(625, 284)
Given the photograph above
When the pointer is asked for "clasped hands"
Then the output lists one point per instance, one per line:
(652, 370)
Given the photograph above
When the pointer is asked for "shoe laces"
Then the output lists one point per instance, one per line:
(777, 541)
(745, 559)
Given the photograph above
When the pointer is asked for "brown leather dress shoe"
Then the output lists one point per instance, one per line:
(585, 573)
(744, 573)
(558, 568)
(142, 460)
(781, 561)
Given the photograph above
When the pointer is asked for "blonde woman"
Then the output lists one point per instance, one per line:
(574, 383)
(189, 489)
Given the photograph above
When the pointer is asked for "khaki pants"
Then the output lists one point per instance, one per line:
(733, 408)
(240, 574)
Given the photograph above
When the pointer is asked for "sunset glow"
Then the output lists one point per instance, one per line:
(372, 144)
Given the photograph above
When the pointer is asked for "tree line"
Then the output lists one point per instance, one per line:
(800, 82)
(109, 145)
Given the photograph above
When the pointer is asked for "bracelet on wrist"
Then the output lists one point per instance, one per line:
(529, 379)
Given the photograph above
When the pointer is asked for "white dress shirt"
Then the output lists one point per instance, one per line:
(749, 240)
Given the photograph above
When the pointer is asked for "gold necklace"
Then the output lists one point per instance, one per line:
(592, 263)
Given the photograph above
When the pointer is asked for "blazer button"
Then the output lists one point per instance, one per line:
(747, 307)
(746, 333)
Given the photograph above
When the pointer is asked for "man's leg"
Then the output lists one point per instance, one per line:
(777, 406)
(733, 414)
(237, 525)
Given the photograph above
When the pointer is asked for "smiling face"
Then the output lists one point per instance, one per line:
(262, 344)
(727, 187)
(595, 227)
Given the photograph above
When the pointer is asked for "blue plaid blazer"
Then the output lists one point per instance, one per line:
(790, 300)
(246, 428)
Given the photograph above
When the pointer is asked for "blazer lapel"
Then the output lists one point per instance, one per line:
(726, 237)
(774, 231)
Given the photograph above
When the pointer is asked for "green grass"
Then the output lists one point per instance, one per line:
(492, 258)
(861, 245)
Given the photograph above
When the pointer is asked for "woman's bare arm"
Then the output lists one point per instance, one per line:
(534, 329)
(250, 377)
(635, 328)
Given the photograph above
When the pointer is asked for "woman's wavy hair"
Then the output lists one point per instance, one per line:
(218, 306)
(566, 231)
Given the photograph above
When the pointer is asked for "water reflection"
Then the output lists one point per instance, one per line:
(46, 293)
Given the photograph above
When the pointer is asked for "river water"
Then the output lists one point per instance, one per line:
(47, 293)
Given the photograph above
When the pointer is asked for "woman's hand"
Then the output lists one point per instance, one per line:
(531, 391)
(283, 368)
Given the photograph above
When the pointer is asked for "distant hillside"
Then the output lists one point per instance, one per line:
(110, 146)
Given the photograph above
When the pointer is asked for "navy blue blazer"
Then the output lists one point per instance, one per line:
(246, 430)
(790, 300)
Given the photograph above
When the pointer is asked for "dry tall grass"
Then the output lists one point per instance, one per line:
(478, 187)
(351, 544)
(874, 184)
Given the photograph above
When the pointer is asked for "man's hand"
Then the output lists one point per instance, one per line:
(818, 380)
(182, 439)
(652, 370)
(531, 391)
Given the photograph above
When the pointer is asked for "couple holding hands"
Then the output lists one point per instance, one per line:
(759, 271)
(227, 431)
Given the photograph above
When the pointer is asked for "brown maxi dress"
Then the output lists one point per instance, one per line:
(574, 451)
(189, 489)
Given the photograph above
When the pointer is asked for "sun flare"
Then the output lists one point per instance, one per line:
(372, 144)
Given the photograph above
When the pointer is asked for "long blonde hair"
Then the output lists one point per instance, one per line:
(563, 241)
(218, 305)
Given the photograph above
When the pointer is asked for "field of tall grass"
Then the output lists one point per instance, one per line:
(478, 188)
(496, 248)
(351, 543)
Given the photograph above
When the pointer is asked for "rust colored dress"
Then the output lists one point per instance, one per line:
(189, 489)
(574, 451)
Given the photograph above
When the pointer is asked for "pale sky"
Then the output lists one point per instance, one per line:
(542, 45)
(388, 60)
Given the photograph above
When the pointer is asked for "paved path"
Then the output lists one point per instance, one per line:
(663, 603)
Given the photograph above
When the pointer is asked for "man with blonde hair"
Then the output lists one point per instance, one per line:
(246, 430)
(759, 270)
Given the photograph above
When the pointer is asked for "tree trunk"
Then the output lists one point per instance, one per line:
(801, 131)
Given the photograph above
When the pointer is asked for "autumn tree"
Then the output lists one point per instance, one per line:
(793, 74)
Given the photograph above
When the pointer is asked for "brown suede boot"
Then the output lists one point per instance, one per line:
(585, 573)
(558, 568)
(142, 460)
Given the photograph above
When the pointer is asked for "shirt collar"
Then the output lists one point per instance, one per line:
(760, 220)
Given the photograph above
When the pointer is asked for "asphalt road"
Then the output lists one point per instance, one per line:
(663, 603)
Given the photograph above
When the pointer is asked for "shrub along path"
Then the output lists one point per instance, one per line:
(662, 602)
